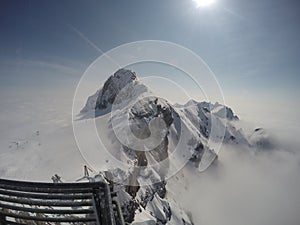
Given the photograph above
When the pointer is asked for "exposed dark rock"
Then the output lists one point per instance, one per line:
(113, 86)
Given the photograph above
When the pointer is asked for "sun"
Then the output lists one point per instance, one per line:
(204, 3)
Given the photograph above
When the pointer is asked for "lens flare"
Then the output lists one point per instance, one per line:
(203, 3)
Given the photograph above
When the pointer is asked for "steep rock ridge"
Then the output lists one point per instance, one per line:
(105, 96)
(113, 86)
(146, 185)
(201, 114)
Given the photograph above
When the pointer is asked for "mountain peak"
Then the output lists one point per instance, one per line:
(191, 102)
(124, 75)
(113, 86)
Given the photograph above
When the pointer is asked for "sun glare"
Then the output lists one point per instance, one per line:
(204, 3)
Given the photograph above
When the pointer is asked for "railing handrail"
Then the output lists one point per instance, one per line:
(84, 185)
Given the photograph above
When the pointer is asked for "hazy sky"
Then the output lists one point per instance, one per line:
(251, 46)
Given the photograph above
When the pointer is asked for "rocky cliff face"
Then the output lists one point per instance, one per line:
(113, 86)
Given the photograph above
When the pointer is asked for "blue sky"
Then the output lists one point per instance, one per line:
(251, 46)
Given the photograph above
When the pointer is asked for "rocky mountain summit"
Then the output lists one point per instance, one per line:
(157, 139)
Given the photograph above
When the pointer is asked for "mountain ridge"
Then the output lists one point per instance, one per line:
(147, 131)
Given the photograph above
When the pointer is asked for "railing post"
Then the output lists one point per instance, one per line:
(110, 219)
(120, 219)
(97, 205)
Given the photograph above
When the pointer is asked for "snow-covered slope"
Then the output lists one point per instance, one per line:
(201, 115)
